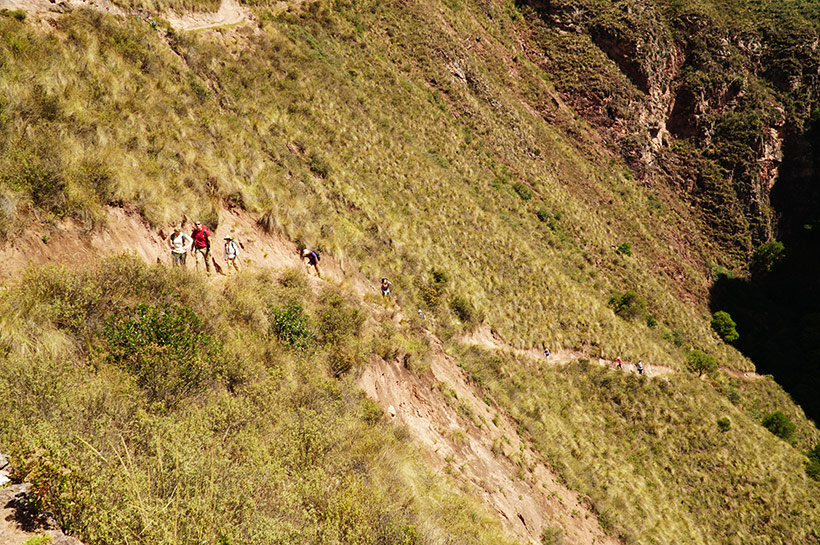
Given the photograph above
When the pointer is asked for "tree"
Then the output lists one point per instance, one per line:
(699, 362)
(724, 326)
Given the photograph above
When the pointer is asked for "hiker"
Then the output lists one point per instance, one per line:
(202, 245)
(547, 353)
(640, 368)
(618, 361)
(231, 252)
(179, 243)
(312, 259)
(385, 287)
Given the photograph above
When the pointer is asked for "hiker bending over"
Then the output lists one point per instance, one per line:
(202, 245)
(179, 243)
(312, 260)
(231, 253)
(385, 287)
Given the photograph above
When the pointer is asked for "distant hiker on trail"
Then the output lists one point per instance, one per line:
(312, 260)
(179, 243)
(385, 287)
(618, 361)
(202, 245)
(640, 368)
(547, 353)
(231, 253)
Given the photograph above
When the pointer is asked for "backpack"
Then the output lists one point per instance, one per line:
(316, 253)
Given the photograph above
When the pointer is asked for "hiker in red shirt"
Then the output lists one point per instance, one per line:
(202, 245)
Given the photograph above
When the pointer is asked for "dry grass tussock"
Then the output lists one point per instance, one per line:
(260, 437)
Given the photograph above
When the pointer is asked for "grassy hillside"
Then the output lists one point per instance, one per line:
(424, 141)
(387, 134)
(145, 405)
(651, 455)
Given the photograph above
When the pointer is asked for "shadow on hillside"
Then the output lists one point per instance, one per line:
(778, 310)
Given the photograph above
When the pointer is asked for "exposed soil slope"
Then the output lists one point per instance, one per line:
(472, 439)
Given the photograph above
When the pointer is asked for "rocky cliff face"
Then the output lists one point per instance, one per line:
(692, 96)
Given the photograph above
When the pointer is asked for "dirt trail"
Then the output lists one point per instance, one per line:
(230, 12)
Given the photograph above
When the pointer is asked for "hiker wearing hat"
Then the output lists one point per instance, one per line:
(202, 245)
(312, 260)
(231, 252)
(179, 243)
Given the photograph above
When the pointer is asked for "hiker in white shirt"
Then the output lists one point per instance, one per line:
(179, 243)
(231, 253)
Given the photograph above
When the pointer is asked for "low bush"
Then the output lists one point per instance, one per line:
(724, 424)
(523, 191)
(339, 318)
(166, 348)
(624, 248)
(766, 257)
(464, 309)
(628, 305)
(779, 424)
(290, 325)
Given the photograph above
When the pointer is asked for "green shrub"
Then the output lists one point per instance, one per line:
(465, 310)
(552, 536)
(700, 362)
(319, 166)
(813, 464)
(724, 424)
(523, 191)
(766, 257)
(339, 318)
(675, 337)
(433, 292)
(724, 326)
(166, 348)
(44, 539)
(290, 325)
(779, 424)
(56, 487)
(624, 248)
(628, 305)
(18, 14)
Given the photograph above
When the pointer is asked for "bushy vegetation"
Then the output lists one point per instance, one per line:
(724, 326)
(146, 405)
(779, 424)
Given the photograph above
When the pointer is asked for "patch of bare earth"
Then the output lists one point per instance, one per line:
(230, 13)
(467, 435)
